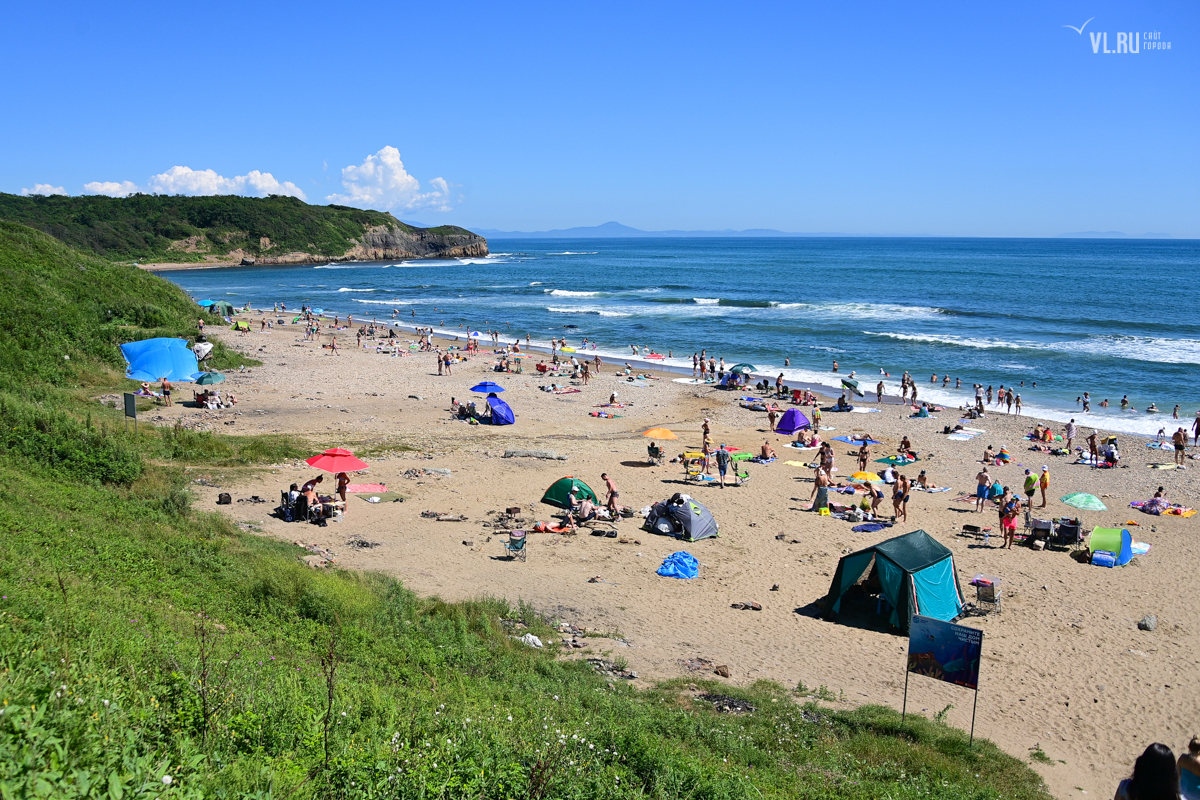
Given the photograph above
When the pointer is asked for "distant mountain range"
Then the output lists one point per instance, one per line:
(615, 230)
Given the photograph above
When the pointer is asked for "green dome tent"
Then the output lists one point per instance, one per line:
(222, 307)
(559, 493)
(915, 571)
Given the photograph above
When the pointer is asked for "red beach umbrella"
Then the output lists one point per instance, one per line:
(337, 460)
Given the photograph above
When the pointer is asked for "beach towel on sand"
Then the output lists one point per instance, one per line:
(681, 564)
(852, 440)
(366, 488)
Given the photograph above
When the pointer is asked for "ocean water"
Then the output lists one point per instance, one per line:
(1109, 317)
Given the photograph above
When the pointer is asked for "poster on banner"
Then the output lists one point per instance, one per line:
(945, 651)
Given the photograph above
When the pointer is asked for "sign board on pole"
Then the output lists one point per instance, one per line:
(944, 651)
(130, 405)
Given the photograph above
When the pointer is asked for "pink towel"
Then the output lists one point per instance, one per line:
(365, 488)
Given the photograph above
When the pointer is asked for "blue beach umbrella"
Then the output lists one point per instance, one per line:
(487, 387)
(475, 335)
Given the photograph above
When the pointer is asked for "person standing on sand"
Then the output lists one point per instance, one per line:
(343, 481)
(779, 385)
(712, 368)
(816, 415)
(1031, 484)
(446, 362)
(1043, 484)
(903, 392)
(864, 456)
(722, 458)
(771, 418)
(983, 482)
(879, 392)
(914, 394)
(898, 497)
(1069, 432)
(166, 393)
(1094, 447)
(1009, 398)
(1196, 430)
(1179, 439)
(611, 498)
(820, 491)
(704, 429)
(1018, 405)
(438, 357)
(695, 365)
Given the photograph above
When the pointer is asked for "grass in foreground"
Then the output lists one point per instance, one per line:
(141, 641)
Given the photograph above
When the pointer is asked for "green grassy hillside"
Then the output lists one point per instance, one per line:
(151, 650)
(148, 228)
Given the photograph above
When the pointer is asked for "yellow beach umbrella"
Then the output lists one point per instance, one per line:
(865, 477)
(660, 433)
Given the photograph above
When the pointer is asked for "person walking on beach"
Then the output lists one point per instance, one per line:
(1196, 430)
(1043, 484)
(903, 392)
(695, 365)
(983, 482)
(1069, 432)
(771, 418)
(1018, 405)
(1009, 399)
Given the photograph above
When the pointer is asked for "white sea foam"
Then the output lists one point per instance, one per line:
(1139, 348)
(706, 301)
(344, 289)
(535, 283)
(597, 310)
(569, 253)
(862, 310)
(569, 293)
(386, 302)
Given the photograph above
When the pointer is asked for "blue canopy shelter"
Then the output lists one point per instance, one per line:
(501, 413)
(792, 420)
(154, 359)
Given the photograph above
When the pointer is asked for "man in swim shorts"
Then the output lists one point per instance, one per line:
(983, 481)
(613, 494)
(722, 458)
(1180, 440)
(820, 491)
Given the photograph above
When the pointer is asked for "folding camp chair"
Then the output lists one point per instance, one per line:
(1067, 533)
(515, 546)
(655, 454)
(693, 469)
(285, 505)
(987, 591)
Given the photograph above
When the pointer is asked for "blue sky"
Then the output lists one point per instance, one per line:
(944, 119)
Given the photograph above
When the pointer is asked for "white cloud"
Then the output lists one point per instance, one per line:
(43, 188)
(111, 188)
(185, 180)
(382, 182)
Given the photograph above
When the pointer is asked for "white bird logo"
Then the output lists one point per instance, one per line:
(1079, 30)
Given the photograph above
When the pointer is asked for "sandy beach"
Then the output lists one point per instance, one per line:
(1065, 666)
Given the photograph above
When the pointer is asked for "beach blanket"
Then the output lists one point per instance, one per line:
(1140, 548)
(1160, 445)
(380, 497)
(743, 456)
(365, 488)
(761, 460)
(960, 437)
(795, 463)
(566, 391)
(605, 415)
(871, 527)
(896, 461)
(932, 491)
(860, 410)
(681, 564)
(852, 440)
(609, 405)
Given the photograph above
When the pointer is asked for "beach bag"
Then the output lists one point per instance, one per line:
(223, 499)
(1103, 558)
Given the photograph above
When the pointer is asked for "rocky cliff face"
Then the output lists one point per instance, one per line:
(383, 243)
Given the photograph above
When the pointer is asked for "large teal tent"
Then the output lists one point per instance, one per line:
(915, 572)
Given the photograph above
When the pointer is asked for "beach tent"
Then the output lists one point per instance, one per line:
(559, 493)
(501, 413)
(915, 571)
(682, 516)
(222, 307)
(792, 420)
(1113, 540)
(154, 359)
